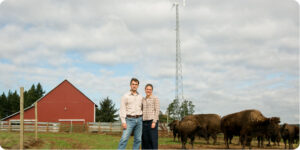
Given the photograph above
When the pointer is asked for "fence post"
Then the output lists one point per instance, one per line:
(21, 118)
(9, 126)
(110, 128)
(87, 127)
(71, 126)
(99, 129)
(121, 128)
(47, 127)
(36, 121)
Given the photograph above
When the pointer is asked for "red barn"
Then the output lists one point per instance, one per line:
(65, 103)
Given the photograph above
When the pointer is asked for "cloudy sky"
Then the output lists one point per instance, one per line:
(236, 55)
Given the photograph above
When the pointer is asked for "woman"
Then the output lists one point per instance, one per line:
(150, 119)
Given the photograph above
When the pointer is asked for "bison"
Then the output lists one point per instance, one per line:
(174, 127)
(188, 127)
(272, 133)
(209, 125)
(290, 133)
(205, 125)
(246, 124)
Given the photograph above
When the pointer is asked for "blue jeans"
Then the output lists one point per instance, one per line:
(135, 125)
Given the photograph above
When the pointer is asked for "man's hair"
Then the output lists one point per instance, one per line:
(149, 85)
(135, 80)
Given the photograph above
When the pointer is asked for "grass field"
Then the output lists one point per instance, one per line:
(10, 140)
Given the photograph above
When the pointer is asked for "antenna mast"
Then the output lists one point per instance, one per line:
(179, 82)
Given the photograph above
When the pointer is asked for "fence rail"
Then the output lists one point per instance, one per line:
(29, 126)
(92, 127)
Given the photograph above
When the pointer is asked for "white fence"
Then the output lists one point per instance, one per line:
(92, 127)
(29, 126)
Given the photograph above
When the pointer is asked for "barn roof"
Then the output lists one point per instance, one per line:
(32, 105)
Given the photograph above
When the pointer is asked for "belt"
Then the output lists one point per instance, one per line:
(135, 116)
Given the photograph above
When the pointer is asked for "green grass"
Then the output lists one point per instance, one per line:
(10, 140)
(63, 140)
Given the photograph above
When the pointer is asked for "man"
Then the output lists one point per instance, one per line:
(131, 116)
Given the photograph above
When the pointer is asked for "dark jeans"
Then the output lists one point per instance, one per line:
(150, 135)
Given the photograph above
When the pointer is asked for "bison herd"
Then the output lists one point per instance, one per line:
(247, 124)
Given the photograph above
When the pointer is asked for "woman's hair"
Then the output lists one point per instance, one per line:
(149, 85)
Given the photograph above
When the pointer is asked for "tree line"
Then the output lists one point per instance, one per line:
(106, 112)
(10, 102)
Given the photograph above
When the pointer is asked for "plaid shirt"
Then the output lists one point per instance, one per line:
(151, 108)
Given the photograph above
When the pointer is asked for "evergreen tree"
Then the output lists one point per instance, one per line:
(39, 91)
(6, 107)
(29, 96)
(107, 111)
(2, 103)
(33, 94)
(13, 102)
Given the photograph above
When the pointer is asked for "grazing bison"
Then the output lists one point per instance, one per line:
(174, 127)
(204, 125)
(246, 124)
(188, 127)
(209, 125)
(290, 133)
(272, 133)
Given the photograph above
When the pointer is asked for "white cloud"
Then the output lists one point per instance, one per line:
(235, 54)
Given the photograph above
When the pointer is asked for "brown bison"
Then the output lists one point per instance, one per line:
(209, 125)
(290, 133)
(188, 127)
(272, 133)
(174, 127)
(204, 125)
(246, 124)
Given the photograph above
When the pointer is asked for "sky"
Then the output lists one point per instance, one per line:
(236, 55)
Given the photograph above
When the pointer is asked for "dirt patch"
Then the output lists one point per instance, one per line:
(31, 142)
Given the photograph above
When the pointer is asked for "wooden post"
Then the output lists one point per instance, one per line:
(9, 126)
(36, 121)
(110, 127)
(47, 128)
(21, 118)
(71, 126)
(121, 130)
(87, 127)
(99, 129)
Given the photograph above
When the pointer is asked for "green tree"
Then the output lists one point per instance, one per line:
(5, 110)
(2, 105)
(13, 100)
(11, 103)
(33, 94)
(107, 111)
(39, 91)
(162, 117)
(186, 108)
(174, 110)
